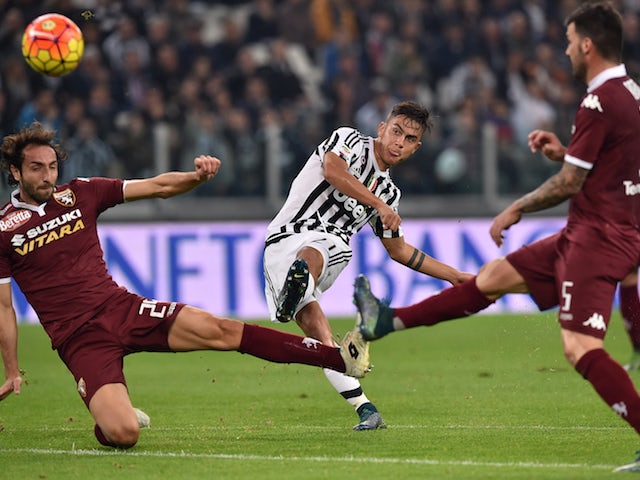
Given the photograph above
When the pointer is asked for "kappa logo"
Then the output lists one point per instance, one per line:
(311, 343)
(66, 198)
(14, 220)
(620, 408)
(82, 387)
(595, 321)
(592, 102)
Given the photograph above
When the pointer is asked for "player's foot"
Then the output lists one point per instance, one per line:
(293, 290)
(631, 467)
(370, 418)
(143, 419)
(634, 362)
(355, 353)
(374, 318)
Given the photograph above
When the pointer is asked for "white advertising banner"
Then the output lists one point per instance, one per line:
(218, 266)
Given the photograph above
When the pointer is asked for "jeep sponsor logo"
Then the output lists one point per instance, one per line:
(14, 220)
(351, 205)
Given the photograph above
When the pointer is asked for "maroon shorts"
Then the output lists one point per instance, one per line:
(577, 270)
(94, 353)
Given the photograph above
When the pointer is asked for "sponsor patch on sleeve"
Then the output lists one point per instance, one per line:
(14, 220)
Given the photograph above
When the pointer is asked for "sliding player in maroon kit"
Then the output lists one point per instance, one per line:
(49, 245)
(577, 269)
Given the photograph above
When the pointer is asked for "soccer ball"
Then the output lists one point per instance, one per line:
(52, 45)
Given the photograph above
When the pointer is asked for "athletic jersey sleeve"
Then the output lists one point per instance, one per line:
(381, 232)
(346, 143)
(590, 132)
(106, 192)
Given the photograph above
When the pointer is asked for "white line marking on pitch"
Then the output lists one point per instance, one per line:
(338, 427)
(226, 456)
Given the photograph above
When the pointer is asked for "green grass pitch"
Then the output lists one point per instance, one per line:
(487, 397)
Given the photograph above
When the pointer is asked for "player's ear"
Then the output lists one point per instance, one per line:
(14, 172)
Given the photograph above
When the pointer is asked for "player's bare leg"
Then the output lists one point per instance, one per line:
(313, 322)
(196, 329)
(116, 420)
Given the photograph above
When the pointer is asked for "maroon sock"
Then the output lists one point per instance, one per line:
(281, 347)
(630, 311)
(101, 438)
(454, 302)
(612, 383)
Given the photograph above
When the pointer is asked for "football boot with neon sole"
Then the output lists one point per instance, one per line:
(293, 290)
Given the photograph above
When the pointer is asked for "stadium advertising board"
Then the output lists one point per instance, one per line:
(218, 266)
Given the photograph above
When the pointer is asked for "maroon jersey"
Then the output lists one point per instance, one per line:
(53, 253)
(606, 140)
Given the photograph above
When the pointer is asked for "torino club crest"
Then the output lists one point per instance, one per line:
(66, 197)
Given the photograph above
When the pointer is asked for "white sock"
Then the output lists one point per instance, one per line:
(346, 386)
(310, 288)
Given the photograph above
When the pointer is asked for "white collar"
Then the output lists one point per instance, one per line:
(613, 72)
(16, 202)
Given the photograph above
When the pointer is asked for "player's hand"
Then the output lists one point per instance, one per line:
(10, 385)
(206, 166)
(509, 216)
(547, 143)
(390, 219)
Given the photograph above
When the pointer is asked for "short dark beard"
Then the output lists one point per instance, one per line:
(36, 196)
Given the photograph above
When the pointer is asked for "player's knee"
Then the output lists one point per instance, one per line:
(575, 345)
(124, 435)
(571, 354)
(497, 278)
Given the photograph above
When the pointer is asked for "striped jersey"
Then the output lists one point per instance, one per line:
(313, 204)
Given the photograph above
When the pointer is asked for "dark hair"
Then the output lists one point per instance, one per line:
(602, 23)
(13, 147)
(414, 112)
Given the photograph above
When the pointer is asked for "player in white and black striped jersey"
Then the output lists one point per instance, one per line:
(344, 185)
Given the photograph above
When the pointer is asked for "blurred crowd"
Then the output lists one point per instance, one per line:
(235, 78)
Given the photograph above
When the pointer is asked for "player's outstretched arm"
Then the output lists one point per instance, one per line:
(9, 343)
(414, 258)
(170, 184)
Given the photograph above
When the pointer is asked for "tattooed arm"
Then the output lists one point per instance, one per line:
(564, 184)
(419, 261)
